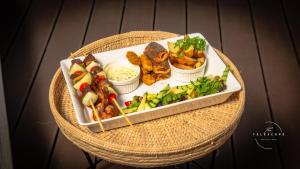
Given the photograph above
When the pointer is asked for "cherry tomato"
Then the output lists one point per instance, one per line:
(82, 86)
(111, 97)
(99, 79)
(128, 103)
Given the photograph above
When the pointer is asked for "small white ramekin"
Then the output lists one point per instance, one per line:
(126, 86)
(186, 76)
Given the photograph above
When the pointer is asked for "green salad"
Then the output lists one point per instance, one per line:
(203, 86)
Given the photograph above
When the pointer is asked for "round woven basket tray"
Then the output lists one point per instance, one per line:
(161, 142)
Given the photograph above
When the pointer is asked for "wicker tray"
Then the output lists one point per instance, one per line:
(161, 142)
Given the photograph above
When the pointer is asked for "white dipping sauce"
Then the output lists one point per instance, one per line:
(121, 73)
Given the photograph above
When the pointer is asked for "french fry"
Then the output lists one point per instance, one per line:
(186, 61)
(182, 66)
(199, 54)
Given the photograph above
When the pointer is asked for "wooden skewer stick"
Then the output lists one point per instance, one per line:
(120, 109)
(97, 116)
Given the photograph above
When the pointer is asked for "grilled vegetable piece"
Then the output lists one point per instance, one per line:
(166, 88)
(75, 68)
(177, 89)
(77, 78)
(92, 65)
(167, 99)
(152, 104)
(130, 110)
(88, 59)
(147, 106)
(89, 96)
(133, 58)
(86, 79)
(151, 96)
(143, 103)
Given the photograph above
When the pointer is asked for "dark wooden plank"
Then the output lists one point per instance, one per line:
(292, 14)
(115, 166)
(25, 55)
(67, 155)
(12, 15)
(239, 44)
(99, 26)
(282, 74)
(5, 149)
(33, 151)
(170, 16)
(202, 163)
(67, 37)
(224, 157)
(202, 16)
(105, 26)
(165, 12)
(138, 15)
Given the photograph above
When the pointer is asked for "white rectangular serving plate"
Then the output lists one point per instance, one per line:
(215, 66)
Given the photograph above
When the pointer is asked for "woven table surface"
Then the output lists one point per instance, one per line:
(161, 142)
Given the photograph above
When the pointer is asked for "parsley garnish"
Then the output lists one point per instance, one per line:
(197, 42)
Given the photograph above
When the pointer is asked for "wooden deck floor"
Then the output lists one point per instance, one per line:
(262, 38)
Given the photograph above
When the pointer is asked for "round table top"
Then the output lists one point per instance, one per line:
(161, 142)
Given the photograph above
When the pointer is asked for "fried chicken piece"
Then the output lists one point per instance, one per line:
(133, 58)
(153, 49)
(144, 71)
(161, 57)
(146, 63)
(149, 79)
(161, 68)
(162, 76)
